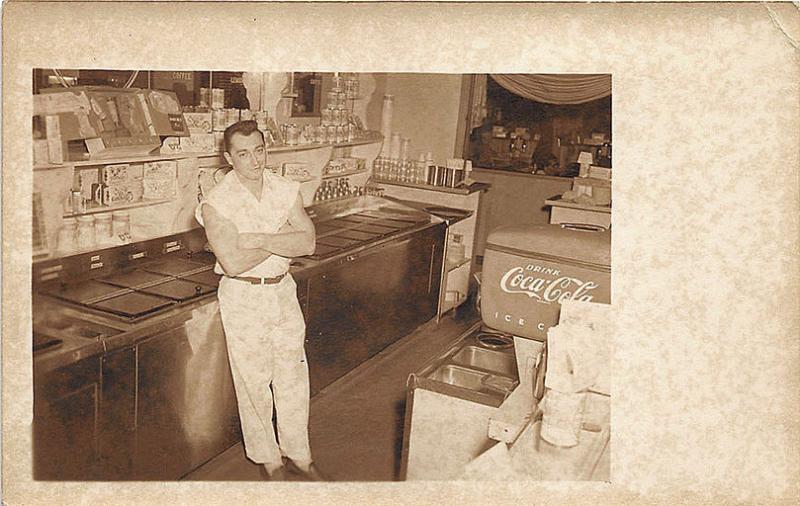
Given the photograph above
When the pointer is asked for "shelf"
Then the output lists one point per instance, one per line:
(345, 173)
(450, 304)
(107, 209)
(175, 156)
(461, 190)
(451, 266)
(128, 159)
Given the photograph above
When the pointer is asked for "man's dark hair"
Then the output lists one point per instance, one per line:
(243, 128)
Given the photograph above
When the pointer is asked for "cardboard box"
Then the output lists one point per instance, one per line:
(55, 151)
(198, 122)
(160, 188)
(115, 174)
(199, 143)
(164, 112)
(162, 169)
(600, 172)
(126, 193)
(52, 126)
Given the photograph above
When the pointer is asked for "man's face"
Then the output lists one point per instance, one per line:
(247, 155)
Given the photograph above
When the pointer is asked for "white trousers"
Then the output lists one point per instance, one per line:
(265, 333)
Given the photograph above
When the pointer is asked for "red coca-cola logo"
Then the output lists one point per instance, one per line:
(529, 281)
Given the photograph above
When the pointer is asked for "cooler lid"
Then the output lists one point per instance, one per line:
(582, 243)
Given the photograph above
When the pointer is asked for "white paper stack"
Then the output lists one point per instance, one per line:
(579, 348)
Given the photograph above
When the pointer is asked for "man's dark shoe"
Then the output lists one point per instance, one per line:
(311, 474)
(278, 474)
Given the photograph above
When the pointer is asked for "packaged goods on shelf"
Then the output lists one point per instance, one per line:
(294, 170)
(160, 188)
(162, 169)
(198, 122)
(113, 174)
(199, 143)
(125, 193)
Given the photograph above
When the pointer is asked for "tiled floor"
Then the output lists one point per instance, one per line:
(356, 423)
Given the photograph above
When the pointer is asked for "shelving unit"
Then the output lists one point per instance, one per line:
(54, 183)
(345, 174)
(96, 209)
(451, 266)
(209, 154)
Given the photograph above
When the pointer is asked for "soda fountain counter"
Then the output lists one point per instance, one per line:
(131, 376)
(485, 389)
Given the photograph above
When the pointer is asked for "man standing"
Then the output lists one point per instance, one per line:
(255, 223)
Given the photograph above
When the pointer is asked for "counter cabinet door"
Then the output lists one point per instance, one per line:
(65, 425)
(118, 414)
(162, 448)
(359, 307)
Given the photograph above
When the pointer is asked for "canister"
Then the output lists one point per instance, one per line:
(528, 270)
(121, 225)
(66, 234)
(441, 175)
(102, 228)
(86, 233)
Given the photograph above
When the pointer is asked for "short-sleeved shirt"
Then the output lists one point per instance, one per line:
(235, 203)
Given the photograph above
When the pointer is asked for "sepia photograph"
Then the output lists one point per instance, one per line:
(400, 253)
(308, 275)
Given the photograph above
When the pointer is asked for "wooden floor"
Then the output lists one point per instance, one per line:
(356, 423)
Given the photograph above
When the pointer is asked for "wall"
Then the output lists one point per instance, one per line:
(426, 108)
(514, 199)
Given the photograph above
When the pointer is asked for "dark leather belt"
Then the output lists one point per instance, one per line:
(259, 281)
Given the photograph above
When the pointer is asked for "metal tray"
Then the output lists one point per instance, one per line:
(136, 279)
(173, 266)
(133, 305)
(86, 292)
(179, 289)
(210, 278)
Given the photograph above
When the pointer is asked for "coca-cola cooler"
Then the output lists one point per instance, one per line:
(528, 270)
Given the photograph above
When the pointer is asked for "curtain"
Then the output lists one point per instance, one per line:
(561, 89)
(478, 111)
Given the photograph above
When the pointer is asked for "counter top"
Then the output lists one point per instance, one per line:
(128, 333)
(515, 173)
(531, 458)
(460, 190)
(557, 201)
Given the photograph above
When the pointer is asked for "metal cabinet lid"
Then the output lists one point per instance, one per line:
(584, 244)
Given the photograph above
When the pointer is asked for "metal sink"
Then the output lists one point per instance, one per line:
(495, 361)
(459, 376)
(475, 380)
